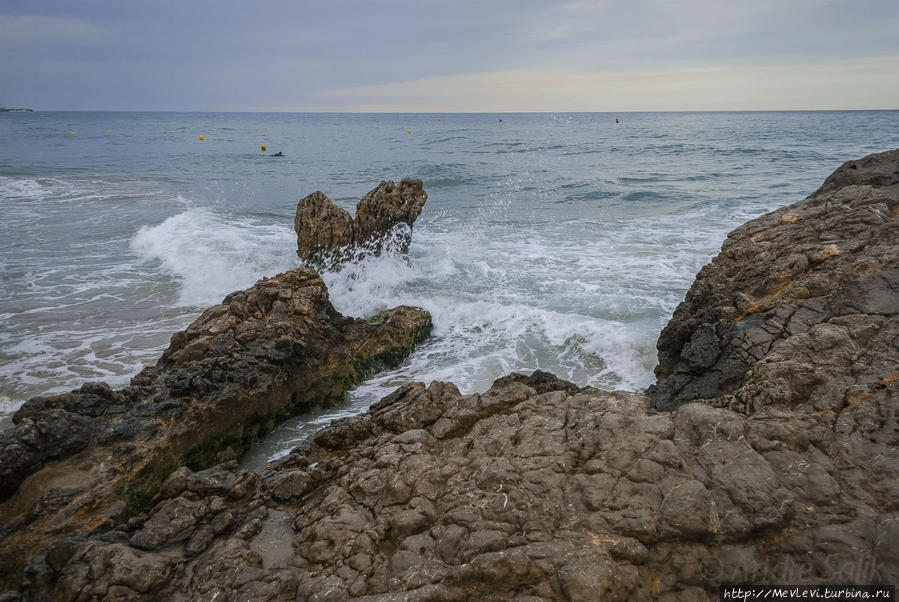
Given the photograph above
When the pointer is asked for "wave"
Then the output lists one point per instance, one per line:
(212, 254)
(489, 318)
(493, 313)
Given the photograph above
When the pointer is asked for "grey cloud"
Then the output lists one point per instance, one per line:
(215, 54)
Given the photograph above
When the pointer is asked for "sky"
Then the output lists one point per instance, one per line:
(449, 56)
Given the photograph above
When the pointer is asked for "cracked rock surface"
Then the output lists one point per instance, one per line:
(532, 490)
(799, 307)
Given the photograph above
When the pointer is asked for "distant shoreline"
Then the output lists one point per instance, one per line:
(11, 110)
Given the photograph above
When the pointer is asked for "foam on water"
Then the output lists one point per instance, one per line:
(107, 304)
(212, 255)
(561, 242)
(74, 306)
(8, 406)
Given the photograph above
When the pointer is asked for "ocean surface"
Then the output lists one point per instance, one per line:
(554, 241)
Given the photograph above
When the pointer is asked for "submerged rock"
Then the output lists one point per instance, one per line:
(800, 307)
(73, 461)
(327, 234)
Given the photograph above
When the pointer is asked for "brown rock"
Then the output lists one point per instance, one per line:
(263, 354)
(327, 234)
(800, 307)
(551, 495)
(321, 227)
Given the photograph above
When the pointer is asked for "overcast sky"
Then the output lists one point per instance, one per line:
(451, 55)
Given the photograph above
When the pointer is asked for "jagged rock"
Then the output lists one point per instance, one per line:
(568, 493)
(327, 234)
(801, 305)
(72, 461)
(37, 439)
(321, 227)
(541, 490)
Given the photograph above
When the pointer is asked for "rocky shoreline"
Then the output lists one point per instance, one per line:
(767, 452)
(73, 463)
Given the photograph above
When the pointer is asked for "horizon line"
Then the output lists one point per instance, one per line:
(323, 112)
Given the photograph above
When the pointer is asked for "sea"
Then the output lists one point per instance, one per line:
(551, 241)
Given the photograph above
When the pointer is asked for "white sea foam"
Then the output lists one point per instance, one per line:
(8, 406)
(212, 255)
(501, 308)
(30, 188)
(75, 304)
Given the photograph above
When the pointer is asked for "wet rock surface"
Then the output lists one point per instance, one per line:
(263, 354)
(542, 490)
(800, 306)
(327, 234)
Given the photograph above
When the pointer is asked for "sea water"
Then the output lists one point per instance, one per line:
(554, 241)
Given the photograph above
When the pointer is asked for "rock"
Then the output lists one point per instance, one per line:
(327, 234)
(552, 495)
(72, 461)
(37, 438)
(800, 306)
(540, 490)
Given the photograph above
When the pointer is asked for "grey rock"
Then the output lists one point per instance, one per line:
(551, 495)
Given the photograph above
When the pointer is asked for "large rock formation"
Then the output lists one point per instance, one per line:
(540, 490)
(327, 234)
(799, 307)
(532, 490)
(73, 461)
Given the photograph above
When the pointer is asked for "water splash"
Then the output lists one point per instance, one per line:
(212, 255)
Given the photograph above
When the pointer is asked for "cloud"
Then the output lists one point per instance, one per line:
(38, 30)
(870, 83)
(530, 54)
